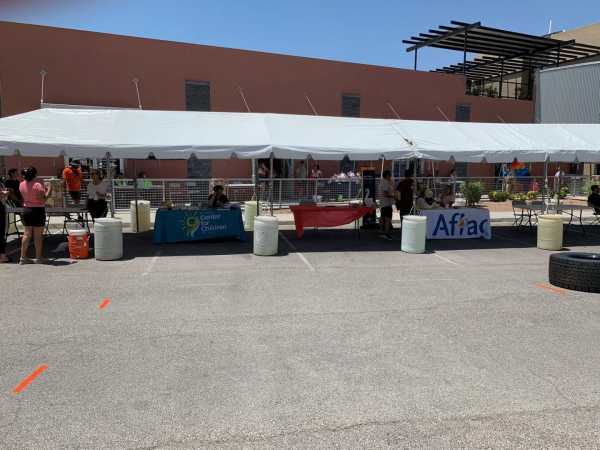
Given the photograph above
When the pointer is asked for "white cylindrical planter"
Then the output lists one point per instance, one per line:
(250, 211)
(266, 235)
(143, 216)
(550, 232)
(108, 239)
(414, 234)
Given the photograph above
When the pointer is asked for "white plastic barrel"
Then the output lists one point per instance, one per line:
(143, 219)
(108, 239)
(266, 235)
(550, 232)
(414, 234)
(249, 214)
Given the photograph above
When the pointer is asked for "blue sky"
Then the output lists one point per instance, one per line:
(351, 30)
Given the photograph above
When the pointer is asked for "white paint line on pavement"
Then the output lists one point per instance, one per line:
(446, 259)
(293, 248)
(151, 265)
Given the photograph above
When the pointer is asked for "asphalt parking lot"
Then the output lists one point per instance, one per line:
(337, 342)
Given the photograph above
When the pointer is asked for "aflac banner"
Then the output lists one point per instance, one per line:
(464, 223)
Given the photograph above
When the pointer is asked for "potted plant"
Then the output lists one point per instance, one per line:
(472, 191)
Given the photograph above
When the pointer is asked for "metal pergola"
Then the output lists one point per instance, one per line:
(502, 53)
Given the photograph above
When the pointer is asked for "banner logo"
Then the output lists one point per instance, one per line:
(458, 226)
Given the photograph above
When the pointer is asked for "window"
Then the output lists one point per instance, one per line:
(463, 113)
(350, 105)
(197, 95)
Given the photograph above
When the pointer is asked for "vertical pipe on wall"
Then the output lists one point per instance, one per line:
(416, 57)
(43, 74)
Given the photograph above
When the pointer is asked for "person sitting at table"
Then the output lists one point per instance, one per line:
(447, 198)
(218, 198)
(96, 191)
(594, 198)
(426, 201)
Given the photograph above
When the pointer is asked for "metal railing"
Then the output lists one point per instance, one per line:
(284, 192)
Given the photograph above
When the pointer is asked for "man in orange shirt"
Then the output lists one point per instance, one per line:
(73, 176)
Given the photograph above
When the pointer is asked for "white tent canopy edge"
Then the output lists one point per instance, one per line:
(137, 134)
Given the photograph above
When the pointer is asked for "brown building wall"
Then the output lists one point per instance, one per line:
(87, 68)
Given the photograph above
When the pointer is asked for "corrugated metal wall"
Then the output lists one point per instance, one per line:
(569, 94)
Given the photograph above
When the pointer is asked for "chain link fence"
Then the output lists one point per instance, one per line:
(284, 192)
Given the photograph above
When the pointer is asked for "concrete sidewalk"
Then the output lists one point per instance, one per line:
(286, 218)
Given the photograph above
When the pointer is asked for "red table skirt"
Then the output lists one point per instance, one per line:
(326, 216)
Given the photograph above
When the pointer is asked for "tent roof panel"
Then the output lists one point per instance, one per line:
(214, 135)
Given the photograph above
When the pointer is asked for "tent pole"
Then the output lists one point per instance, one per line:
(382, 164)
(255, 179)
(271, 184)
(110, 183)
(135, 191)
(414, 205)
(546, 196)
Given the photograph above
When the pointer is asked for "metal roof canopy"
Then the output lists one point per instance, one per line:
(507, 52)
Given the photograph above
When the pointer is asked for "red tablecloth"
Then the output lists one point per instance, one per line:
(326, 216)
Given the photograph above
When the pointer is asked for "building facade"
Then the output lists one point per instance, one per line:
(86, 68)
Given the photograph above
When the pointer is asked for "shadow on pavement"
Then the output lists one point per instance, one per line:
(314, 241)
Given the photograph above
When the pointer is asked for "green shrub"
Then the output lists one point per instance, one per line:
(492, 196)
(532, 195)
(518, 197)
(472, 191)
(564, 191)
(502, 196)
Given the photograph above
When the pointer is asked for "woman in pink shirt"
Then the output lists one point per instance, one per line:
(34, 214)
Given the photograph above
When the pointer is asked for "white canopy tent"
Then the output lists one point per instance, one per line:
(93, 133)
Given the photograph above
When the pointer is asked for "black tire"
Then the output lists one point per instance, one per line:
(575, 271)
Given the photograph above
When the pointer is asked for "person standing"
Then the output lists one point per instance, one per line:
(387, 190)
(558, 180)
(594, 198)
(96, 191)
(73, 176)
(301, 173)
(4, 194)
(12, 184)
(316, 172)
(34, 214)
(404, 202)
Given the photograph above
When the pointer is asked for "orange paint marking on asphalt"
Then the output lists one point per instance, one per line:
(551, 288)
(29, 379)
(104, 303)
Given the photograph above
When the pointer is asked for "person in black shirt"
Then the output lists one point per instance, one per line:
(404, 200)
(4, 193)
(217, 199)
(12, 184)
(594, 198)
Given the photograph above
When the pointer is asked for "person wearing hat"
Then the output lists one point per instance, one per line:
(73, 176)
(426, 201)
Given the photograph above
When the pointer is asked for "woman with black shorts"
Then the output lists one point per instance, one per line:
(4, 192)
(34, 214)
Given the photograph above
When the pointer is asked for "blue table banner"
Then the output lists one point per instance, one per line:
(180, 225)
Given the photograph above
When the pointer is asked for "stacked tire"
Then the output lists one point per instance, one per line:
(575, 271)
